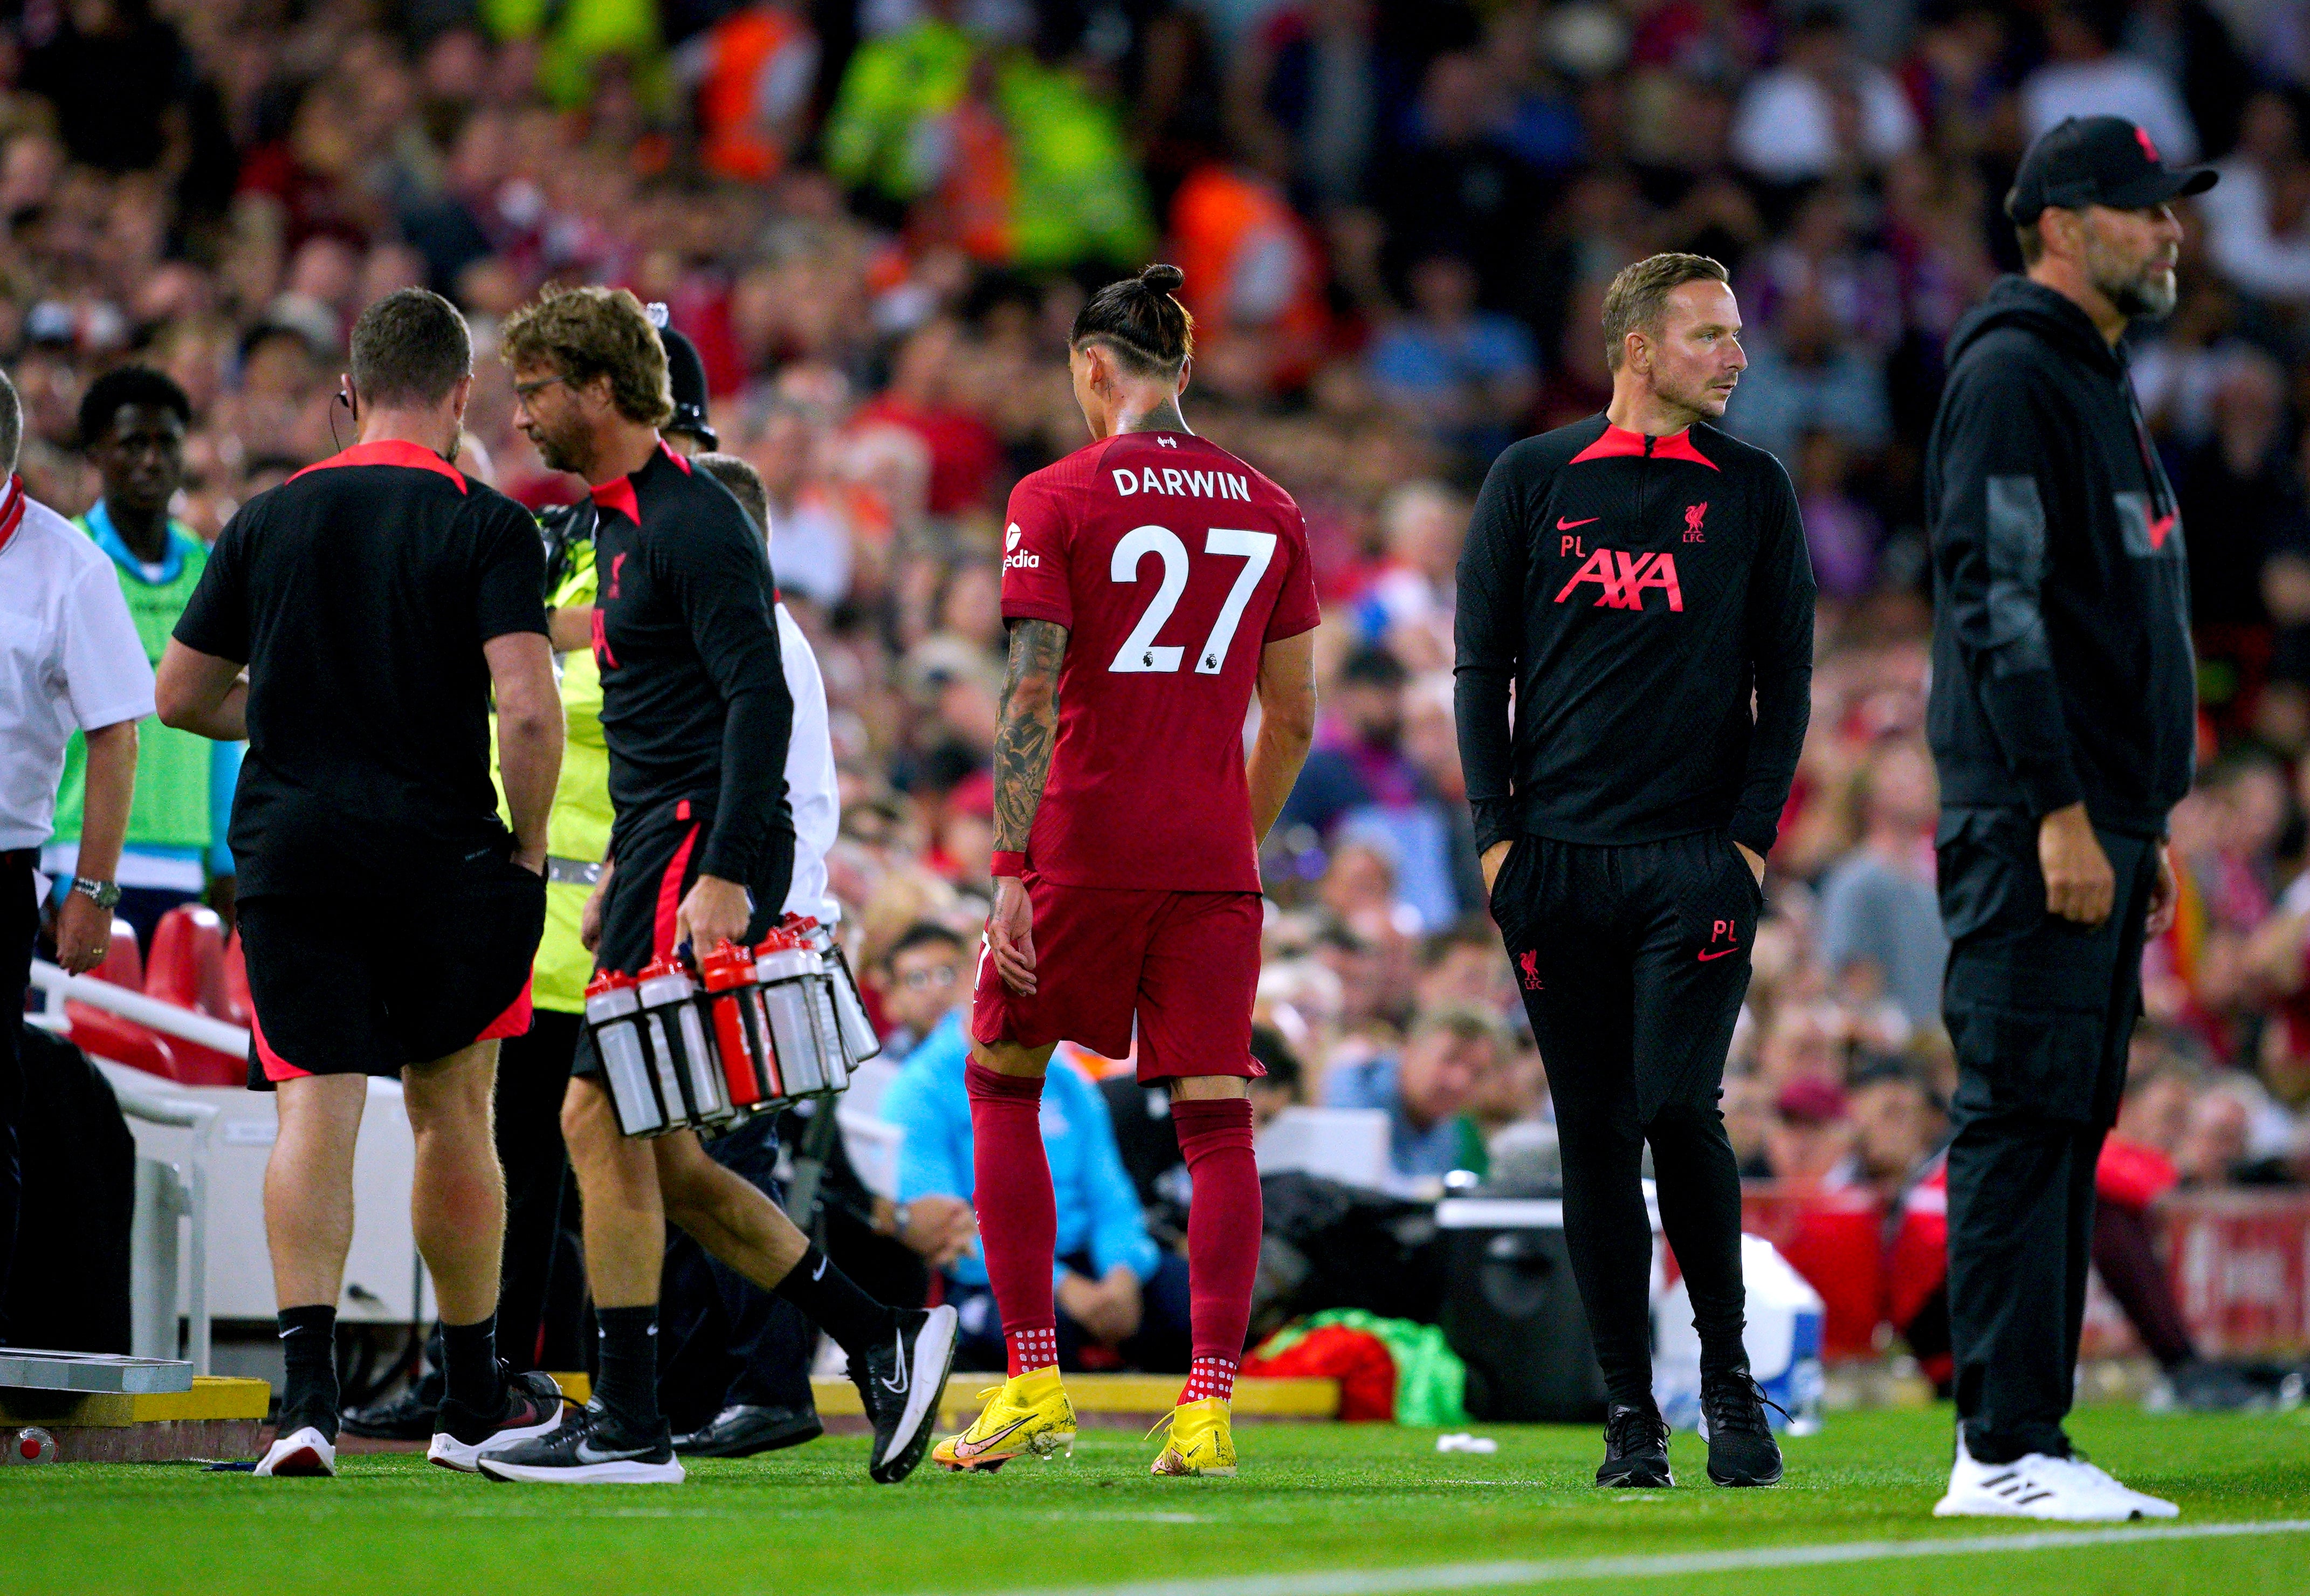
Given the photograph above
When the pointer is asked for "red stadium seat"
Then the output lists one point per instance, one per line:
(186, 965)
(124, 1042)
(188, 968)
(124, 966)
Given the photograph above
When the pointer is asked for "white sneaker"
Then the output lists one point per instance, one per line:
(2149, 1507)
(2033, 1487)
(301, 1454)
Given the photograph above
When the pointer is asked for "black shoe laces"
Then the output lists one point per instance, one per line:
(1628, 1430)
(1737, 1404)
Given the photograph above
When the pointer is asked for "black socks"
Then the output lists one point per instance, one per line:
(308, 1345)
(626, 1388)
(469, 1366)
(832, 1301)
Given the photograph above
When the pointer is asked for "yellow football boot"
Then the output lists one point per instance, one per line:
(1029, 1414)
(1202, 1441)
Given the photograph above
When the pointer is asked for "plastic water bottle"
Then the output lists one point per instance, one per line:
(785, 968)
(738, 1042)
(32, 1445)
(686, 1071)
(612, 1007)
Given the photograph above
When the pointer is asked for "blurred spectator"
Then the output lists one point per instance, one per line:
(1444, 1067)
(1810, 1137)
(1804, 376)
(1897, 1124)
(1880, 922)
(2255, 216)
(1465, 375)
(1823, 109)
(2088, 76)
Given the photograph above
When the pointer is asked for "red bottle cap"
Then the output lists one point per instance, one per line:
(728, 966)
(607, 981)
(656, 967)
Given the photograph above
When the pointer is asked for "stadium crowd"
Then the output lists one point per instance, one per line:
(875, 220)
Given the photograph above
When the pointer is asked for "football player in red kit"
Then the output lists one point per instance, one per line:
(1153, 583)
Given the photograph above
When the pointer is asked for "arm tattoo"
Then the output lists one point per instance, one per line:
(1027, 730)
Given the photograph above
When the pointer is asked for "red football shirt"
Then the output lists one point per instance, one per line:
(1172, 565)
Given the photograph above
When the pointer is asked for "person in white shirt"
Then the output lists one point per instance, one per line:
(2088, 77)
(1821, 106)
(69, 659)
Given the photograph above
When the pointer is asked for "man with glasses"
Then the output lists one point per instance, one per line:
(697, 717)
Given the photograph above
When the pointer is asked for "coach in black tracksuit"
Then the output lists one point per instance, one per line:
(2062, 723)
(1634, 576)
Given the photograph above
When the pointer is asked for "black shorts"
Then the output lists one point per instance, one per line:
(361, 986)
(2040, 1008)
(658, 864)
(1633, 961)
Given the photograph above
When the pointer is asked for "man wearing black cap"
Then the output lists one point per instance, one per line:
(2062, 724)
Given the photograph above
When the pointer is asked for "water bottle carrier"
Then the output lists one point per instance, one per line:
(754, 1031)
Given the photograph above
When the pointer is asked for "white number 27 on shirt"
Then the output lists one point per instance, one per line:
(1139, 652)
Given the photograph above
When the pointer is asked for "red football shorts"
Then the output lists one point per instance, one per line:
(1183, 966)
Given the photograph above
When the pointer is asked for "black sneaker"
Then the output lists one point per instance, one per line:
(532, 1407)
(744, 1430)
(900, 1386)
(1741, 1449)
(409, 1417)
(589, 1447)
(1635, 1447)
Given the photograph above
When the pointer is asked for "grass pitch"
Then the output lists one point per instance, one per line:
(1319, 1510)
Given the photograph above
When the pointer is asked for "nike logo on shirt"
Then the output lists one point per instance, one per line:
(1720, 953)
(1564, 526)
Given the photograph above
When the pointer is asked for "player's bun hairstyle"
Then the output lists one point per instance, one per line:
(129, 384)
(1138, 318)
(584, 333)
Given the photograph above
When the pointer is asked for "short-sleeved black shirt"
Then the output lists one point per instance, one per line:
(358, 594)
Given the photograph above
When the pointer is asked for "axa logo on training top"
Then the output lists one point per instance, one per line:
(1180, 484)
(1014, 558)
(1621, 579)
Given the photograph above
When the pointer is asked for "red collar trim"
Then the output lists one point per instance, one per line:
(12, 511)
(618, 494)
(674, 455)
(1619, 440)
(391, 451)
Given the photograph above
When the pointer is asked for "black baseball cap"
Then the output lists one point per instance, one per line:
(686, 375)
(2098, 160)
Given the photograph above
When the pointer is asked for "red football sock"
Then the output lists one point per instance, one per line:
(1017, 1220)
(1223, 1220)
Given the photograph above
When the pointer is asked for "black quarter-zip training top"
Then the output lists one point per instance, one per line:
(1635, 590)
(2063, 668)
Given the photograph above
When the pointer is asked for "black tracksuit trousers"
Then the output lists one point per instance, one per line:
(1633, 960)
(2041, 1012)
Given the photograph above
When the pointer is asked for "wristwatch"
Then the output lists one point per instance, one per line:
(102, 894)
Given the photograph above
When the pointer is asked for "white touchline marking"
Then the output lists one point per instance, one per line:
(1465, 1576)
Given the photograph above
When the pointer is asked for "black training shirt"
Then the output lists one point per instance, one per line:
(695, 707)
(358, 594)
(1635, 591)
